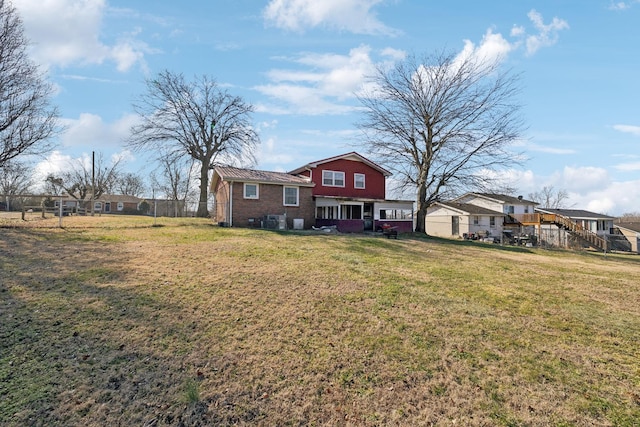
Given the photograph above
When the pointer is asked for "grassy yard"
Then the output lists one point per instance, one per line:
(112, 321)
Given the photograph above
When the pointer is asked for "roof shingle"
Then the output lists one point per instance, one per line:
(229, 173)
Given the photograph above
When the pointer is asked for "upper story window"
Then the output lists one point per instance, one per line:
(332, 179)
(358, 180)
(250, 191)
(290, 196)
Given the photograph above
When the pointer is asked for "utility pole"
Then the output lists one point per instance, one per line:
(93, 180)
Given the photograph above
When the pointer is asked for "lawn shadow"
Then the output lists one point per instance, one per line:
(82, 344)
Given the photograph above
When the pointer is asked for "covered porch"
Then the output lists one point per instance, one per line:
(357, 215)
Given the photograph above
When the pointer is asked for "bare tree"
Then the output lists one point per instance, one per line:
(628, 217)
(15, 182)
(442, 124)
(174, 180)
(197, 120)
(549, 197)
(27, 119)
(84, 179)
(130, 184)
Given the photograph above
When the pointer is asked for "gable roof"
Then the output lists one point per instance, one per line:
(575, 213)
(228, 173)
(119, 198)
(502, 198)
(348, 156)
(469, 208)
(111, 198)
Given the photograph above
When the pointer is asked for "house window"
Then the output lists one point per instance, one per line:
(327, 212)
(250, 191)
(492, 221)
(358, 180)
(97, 206)
(526, 209)
(120, 206)
(351, 212)
(395, 214)
(510, 209)
(332, 179)
(290, 195)
(476, 220)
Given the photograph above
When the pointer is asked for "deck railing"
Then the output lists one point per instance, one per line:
(561, 221)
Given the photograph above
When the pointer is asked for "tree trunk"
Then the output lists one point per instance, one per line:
(203, 209)
(421, 215)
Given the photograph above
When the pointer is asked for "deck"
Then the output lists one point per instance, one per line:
(566, 223)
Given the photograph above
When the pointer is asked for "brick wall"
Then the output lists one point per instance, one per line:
(270, 202)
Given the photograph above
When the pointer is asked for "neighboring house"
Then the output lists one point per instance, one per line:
(475, 215)
(255, 198)
(346, 192)
(115, 203)
(508, 205)
(107, 203)
(590, 221)
(517, 220)
(452, 219)
(573, 228)
(631, 232)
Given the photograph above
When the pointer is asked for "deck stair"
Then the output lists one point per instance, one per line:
(565, 223)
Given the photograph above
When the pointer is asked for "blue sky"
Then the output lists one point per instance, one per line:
(300, 62)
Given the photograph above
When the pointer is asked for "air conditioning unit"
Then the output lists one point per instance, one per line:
(274, 222)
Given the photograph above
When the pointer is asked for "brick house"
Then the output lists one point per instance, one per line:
(247, 197)
(346, 191)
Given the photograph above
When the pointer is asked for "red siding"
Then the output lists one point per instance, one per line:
(374, 180)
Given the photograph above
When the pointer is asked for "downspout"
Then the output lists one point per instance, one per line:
(230, 203)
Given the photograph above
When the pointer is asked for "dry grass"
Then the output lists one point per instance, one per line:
(112, 321)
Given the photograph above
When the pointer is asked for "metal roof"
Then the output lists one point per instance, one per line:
(228, 173)
(504, 198)
(470, 209)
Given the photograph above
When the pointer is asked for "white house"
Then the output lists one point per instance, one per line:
(475, 215)
(453, 219)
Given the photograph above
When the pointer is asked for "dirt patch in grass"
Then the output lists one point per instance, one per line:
(115, 321)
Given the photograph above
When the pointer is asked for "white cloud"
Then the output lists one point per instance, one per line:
(90, 131)
(628, 167)
(394, 54)
(582, 180)
(65, 32)
(634, 130)
(334, 78)
(354, 16)
(517, 31)
(622, 5)
(57, 162)
(550, 150)
(547, 33)
(614, 199)
(588, 188)
(492, 48)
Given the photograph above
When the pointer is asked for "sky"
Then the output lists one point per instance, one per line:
(300, 63)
